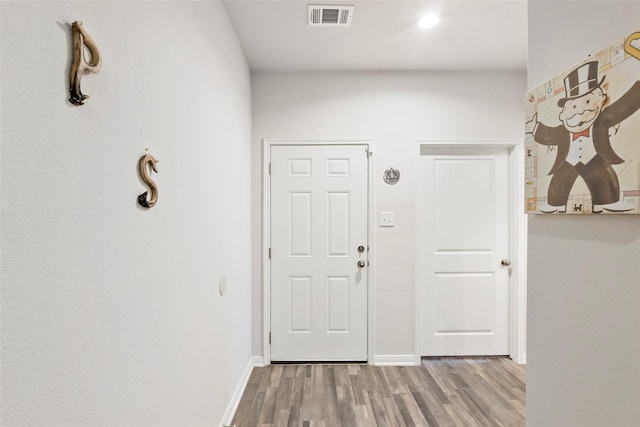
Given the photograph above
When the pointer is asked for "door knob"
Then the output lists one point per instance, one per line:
(505, 262)
(360, 248)
(361, 263)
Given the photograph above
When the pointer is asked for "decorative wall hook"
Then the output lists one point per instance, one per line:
(80, 66)
(145, 161)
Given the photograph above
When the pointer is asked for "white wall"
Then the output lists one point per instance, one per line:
(584, 272)
(396, 109)
(111, 314)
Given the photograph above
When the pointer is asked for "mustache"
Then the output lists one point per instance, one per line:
(576, 119)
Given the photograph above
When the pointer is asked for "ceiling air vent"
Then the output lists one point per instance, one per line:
(330, 16)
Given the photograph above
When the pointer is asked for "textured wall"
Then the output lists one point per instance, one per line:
(584, 272)
(396, 109)
(111, 314)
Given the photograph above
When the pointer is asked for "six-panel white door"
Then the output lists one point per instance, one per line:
(319, 218)
(464, 237)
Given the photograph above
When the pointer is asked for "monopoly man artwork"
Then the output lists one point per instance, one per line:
(582, 136)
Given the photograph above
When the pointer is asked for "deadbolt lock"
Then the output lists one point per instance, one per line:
(360, 248)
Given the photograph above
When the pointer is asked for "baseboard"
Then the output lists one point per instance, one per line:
(258, 361)
(396, 360)
(237, 394)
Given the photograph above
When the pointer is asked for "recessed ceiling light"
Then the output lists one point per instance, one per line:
(429, 21)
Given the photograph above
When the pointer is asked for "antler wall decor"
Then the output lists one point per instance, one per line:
(143, 167)
(80, 66)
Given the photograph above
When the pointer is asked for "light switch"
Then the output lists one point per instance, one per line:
(386, 219)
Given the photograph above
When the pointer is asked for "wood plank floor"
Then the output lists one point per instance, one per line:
(441, 392)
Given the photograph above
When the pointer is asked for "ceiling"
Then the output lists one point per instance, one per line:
(384, 35)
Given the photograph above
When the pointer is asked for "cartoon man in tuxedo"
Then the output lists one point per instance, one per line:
(584, 148)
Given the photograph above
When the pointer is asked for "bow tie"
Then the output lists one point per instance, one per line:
(579, 134)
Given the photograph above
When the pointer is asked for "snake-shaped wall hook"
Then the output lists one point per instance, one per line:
(80, 65)
(145, 160)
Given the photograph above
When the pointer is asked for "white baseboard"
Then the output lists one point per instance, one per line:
(258, 361)
(237, 394)
(396, 360)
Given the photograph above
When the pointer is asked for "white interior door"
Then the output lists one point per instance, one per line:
(464, 238)
(319, 219)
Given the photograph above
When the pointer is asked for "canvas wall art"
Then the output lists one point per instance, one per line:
(582, 136)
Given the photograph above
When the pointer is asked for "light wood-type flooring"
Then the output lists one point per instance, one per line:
(441, 392)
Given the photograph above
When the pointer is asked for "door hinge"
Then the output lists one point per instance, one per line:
(269, 168)
(269, 253)
(269, 337)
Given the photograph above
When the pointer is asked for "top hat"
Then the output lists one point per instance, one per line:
(581, 81)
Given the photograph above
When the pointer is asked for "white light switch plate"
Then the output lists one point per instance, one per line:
(386, 219)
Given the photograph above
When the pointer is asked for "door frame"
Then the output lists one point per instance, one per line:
(267, 143)
(517, 239)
